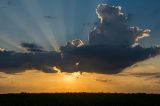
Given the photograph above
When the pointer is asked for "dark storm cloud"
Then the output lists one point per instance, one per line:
(104, 59)
(14, 62)
(112, 47)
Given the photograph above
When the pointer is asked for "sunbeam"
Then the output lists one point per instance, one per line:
(36, 12)
(18, 19)
(10, 43)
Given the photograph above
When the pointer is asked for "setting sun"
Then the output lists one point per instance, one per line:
(70, 77)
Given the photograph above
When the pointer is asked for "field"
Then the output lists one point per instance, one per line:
(79, 99)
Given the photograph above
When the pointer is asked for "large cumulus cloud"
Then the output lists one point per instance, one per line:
(113, 29)
(112, 47)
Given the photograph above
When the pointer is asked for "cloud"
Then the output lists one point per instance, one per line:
(104, 59)
(14, 62)
(7, 4)
(143, 74)
(104, 80)
(112, 47)
(1, 49)
(113, 30)
(31, 47)
(50, 17)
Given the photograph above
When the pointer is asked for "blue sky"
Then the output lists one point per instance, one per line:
(27, 20)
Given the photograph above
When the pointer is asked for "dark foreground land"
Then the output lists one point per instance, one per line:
(79, 99)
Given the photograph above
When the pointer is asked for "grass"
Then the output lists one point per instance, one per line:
(79, 99)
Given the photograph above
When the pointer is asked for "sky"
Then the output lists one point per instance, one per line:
(35, 55)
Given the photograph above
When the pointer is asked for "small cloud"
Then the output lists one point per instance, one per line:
(104, 80)
(147, 74)
(50, 17)
(31, 47)
(9, 2)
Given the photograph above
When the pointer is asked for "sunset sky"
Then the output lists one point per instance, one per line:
(35, 56)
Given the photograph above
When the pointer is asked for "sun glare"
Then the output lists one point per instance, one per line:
(71, 77)
(67, 77)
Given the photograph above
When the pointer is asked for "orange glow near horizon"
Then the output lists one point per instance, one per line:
(125, 82)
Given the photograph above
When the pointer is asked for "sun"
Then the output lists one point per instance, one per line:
(71, 77)
(67, 77)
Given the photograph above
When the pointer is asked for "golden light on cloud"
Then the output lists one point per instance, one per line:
(1, 49)
(57, 69)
